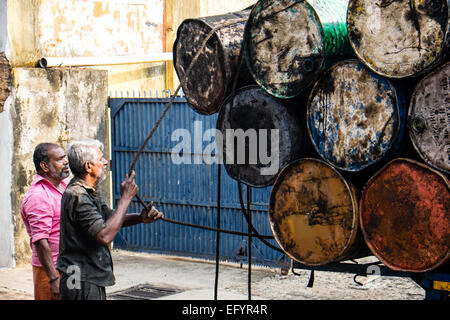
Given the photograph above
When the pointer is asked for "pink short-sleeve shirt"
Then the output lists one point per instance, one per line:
(40, 210)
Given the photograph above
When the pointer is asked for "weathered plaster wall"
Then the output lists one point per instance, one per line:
(22, 40)
(135, 77)
(6, 142)
(5, 79)
(98, 28)
(214, 7)
(6, 219)
(69, 28)
(88, 28)
(3, 25)
(57, 105)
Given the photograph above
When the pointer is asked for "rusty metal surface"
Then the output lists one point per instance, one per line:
(313, 213)
(405, 216)
(399, 38)
(210, 79)
(251, 110)
(353, 116)
(287, 42)
(429, 118)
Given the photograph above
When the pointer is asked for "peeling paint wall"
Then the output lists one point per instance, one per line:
(56, 105)
(6, 141)
(214, 7)
(6, 219)
(3, 25)
(69, 28)
(22, 37)
(88, 28)
(5, 76)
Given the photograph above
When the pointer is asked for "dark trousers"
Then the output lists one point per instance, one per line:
(85, 290)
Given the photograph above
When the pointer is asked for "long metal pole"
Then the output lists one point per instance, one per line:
(216, 283)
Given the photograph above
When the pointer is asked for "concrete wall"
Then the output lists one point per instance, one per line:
(6, 147)
(3, 25)
(88, 28)
(56, 105)
(6, 218)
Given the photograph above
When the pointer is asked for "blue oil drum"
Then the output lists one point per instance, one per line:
(355, 118)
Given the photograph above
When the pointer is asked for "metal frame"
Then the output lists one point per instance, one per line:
(423, 279)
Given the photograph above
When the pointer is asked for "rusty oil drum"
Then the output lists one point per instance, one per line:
(313, 213)
(287, 43)
(210, 80)
(429, 118)
(271, 130)
(402, 38)
(354, 116)
(405, 216)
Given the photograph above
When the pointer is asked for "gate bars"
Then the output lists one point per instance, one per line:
(251, 230)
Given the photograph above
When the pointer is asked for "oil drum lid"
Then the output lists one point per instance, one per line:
(209, 81)
(353, 116)
(313, 212)
(398, 38)
(260, 136)
(207, 86)
(405, 216)
(284, 46)
(429, 118)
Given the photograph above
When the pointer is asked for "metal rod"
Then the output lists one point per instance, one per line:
(216, 281)
(256, 233)
(103, 61)
(244, 234)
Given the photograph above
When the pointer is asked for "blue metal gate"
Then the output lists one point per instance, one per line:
(183, 192)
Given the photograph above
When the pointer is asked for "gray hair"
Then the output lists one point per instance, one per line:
(80, 152)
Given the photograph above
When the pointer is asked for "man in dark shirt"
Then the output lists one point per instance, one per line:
(88, 225)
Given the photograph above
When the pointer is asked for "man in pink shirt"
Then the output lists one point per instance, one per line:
(40, 212)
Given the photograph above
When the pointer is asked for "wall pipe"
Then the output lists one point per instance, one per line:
(102, 61)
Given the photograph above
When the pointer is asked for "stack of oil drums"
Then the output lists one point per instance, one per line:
(358, 92)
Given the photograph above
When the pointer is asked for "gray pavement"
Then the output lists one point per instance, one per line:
(193, 279)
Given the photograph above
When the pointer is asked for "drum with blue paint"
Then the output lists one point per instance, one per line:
(289, 42)
(355, 118)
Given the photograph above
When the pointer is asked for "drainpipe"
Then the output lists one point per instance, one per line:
(99, 61)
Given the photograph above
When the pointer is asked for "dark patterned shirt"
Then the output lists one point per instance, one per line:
(83, 215)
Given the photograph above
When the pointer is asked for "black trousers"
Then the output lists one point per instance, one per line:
(81, 291)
